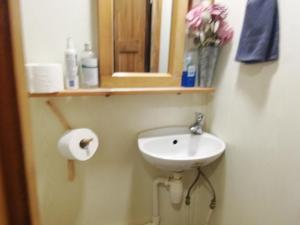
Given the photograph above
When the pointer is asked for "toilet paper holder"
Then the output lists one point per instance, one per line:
(83, 144)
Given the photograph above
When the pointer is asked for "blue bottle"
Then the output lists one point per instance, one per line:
(189, 72)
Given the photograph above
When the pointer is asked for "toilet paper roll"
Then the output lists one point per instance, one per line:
(78, 144)
(44, 77)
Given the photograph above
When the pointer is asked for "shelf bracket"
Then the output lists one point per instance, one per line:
(66, 125)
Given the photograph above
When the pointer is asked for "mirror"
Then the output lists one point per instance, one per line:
(141, 38)
(121, 65)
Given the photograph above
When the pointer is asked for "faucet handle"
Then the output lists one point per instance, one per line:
(200, 117)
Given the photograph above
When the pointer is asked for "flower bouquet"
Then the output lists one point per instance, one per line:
(209, 31)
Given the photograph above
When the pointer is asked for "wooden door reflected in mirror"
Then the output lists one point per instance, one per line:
(141, 43)
(141, 37)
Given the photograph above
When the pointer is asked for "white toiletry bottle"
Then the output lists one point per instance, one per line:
(89, 68)
(72, 81)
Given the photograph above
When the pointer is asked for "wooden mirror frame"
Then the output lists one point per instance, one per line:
(106, 51)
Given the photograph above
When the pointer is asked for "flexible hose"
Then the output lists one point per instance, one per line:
(213, 201)
(188, 195)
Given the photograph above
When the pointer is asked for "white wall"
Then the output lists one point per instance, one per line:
(47, 24)
(256, 110)
(113, 188)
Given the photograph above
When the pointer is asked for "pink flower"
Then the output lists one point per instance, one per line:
(197, 16)
(218, 12)
(209, 20)
(194, 17)
(225, 33)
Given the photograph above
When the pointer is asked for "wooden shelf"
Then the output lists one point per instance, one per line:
(125, 91)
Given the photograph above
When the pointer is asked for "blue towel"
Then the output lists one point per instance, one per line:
(260, 35)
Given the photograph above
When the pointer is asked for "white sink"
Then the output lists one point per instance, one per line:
(176, 149)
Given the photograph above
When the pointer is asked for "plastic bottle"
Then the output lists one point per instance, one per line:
(87, 51)
(189, 72)
(71, 64)
(89, 68)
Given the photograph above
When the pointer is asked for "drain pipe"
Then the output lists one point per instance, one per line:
(209, 216)
(213, 201)
(155, 196)
(175, 187)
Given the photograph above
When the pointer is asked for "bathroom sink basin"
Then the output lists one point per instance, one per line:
(176, 149)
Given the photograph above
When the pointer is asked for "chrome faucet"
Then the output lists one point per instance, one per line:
(197, 127)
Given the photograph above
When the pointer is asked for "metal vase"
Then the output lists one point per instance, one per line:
(208, 57)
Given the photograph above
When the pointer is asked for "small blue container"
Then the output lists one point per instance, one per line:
(189, 77)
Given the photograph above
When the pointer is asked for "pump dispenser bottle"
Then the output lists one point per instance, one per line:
(71, 64)
(89, 68)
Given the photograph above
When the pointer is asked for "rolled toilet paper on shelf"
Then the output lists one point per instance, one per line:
(44, 77)
(78, 144)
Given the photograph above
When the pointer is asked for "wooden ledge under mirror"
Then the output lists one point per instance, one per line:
(136, 47)
(124, 91)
